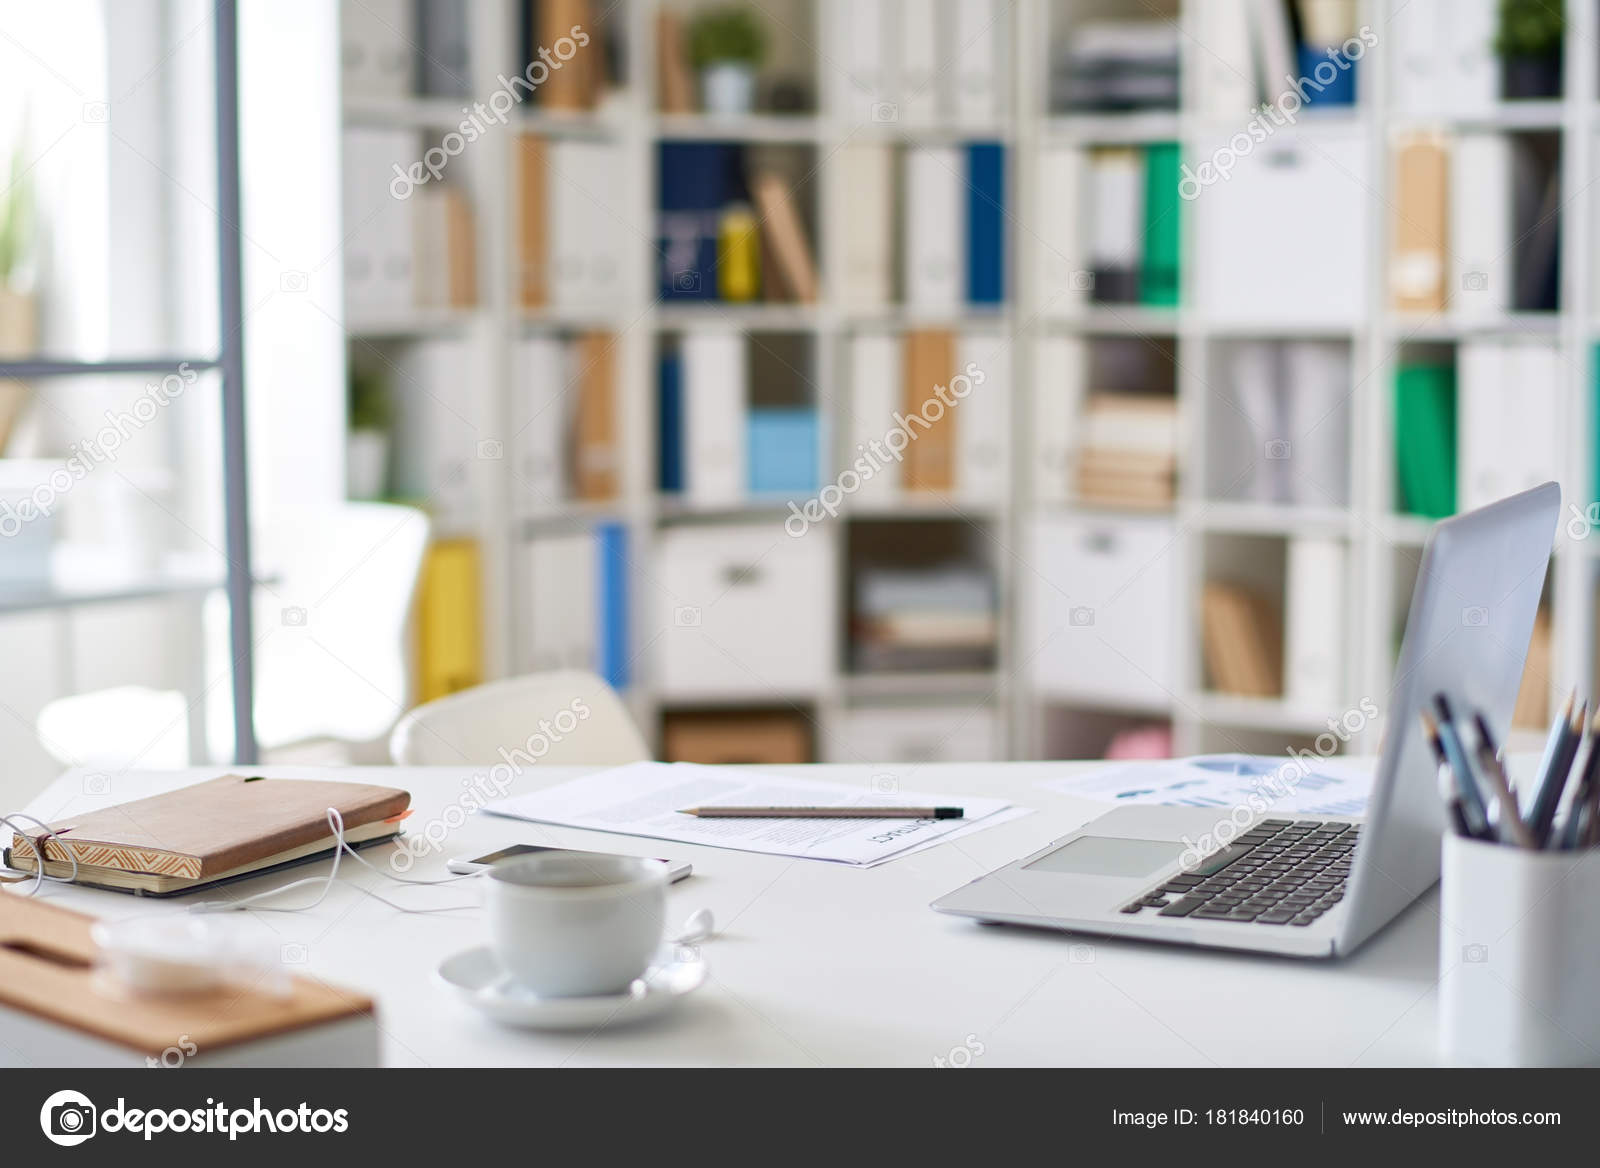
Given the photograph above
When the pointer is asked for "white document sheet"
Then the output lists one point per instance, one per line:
(1284, 785)
(645, 798)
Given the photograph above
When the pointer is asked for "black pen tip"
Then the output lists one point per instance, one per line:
(1442, 704)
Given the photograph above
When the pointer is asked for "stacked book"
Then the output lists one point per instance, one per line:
(1241, 640)
(1117, 65)
(1129, 453)
(939, 619)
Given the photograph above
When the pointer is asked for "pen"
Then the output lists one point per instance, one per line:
(1580, 819)
(1489, 760)
(1554, 767)
(1447, 747)
(1447, 789)
(825, 812)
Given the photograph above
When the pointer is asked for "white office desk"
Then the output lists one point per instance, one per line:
(821, 964)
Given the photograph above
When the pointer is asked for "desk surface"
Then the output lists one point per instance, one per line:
(820, 964)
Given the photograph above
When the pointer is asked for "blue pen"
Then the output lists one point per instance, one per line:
(1473, 808)
(1552, 774)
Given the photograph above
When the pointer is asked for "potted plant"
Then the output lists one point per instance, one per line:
(366, 464)
(727, 45)
(1529, 45)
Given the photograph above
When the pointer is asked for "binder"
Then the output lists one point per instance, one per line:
(538, 422)
(376, 58)
(1425, 440)
(981, 447)
(597, 457)
(1480, 226)
(1510, 417)
(986, 235)
(669, 422)
(576, 85)
(1314, 639)
(714, 383)
(1421, 57)
(450, 620)
(919, 31)
(1225, 73)
(1417, 267)
(532, 221)
(672, 64)
(1466, 35)
(1061, 271)
(437, 428)
(443, 64)
(445, 248)
(585, 229)
(863, 86)
(1158, 277)
(867, 226)
(380, 243)
(695, 180)
(875, 389)
(1116, 174)
(785, 237)
(613, 654)
(1059, 366)
(562, 574)
(935, 278)
(980, 34)
(56, 1010)
(1316, 392)
(930, 458)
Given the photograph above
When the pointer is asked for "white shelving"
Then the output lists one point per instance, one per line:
(1381, 544)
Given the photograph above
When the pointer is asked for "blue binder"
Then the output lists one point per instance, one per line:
(669, 422)
(611, 644)
(695, 181)
(986, 234)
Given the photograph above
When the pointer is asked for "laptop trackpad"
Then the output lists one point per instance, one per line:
(1102, 855)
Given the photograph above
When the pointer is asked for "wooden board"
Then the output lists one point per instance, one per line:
(47, 961)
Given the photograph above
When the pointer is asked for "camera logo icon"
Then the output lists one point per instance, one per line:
(686, 281)
(96, 113)
(97, 783)
(1475, 281)
(1080, 955)
(293, 281)
(1475, 616)
(491, 449)
(686, 616)
(67, 1118)
(1475, 954)
(885, 784)
(293, 953)
(1081, 617)
(1081, 281)
(885, 111)
(294, 616)
(1278, 449)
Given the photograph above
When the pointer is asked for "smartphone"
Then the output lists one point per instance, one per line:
(676, 869)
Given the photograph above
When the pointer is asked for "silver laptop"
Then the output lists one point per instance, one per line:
(1303, 885)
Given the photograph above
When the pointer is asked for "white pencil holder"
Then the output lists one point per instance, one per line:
(1519, 955)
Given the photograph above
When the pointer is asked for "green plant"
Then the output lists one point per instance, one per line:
(1530, 28)
(367, 400)
(16, 218)
(731, 34)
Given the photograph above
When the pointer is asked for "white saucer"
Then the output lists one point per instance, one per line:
(477, 979)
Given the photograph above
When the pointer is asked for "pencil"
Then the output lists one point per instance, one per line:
(1554, 767)
(1500, 784)
(825, 812)
(1448, 750)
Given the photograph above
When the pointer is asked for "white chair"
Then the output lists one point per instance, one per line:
(332, 647)
(563, 718)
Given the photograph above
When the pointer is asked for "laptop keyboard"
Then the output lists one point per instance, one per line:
(1280, 872)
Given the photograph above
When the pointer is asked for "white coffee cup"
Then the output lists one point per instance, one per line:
(570, 925)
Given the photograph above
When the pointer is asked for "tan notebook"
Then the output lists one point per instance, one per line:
(215, 830)
(531, 199)
(929, 362)
(595, 461)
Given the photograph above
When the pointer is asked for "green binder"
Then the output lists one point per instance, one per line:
(1425, 440)
(1158, 282)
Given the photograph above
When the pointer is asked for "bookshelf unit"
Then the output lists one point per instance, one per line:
(1003, 703)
